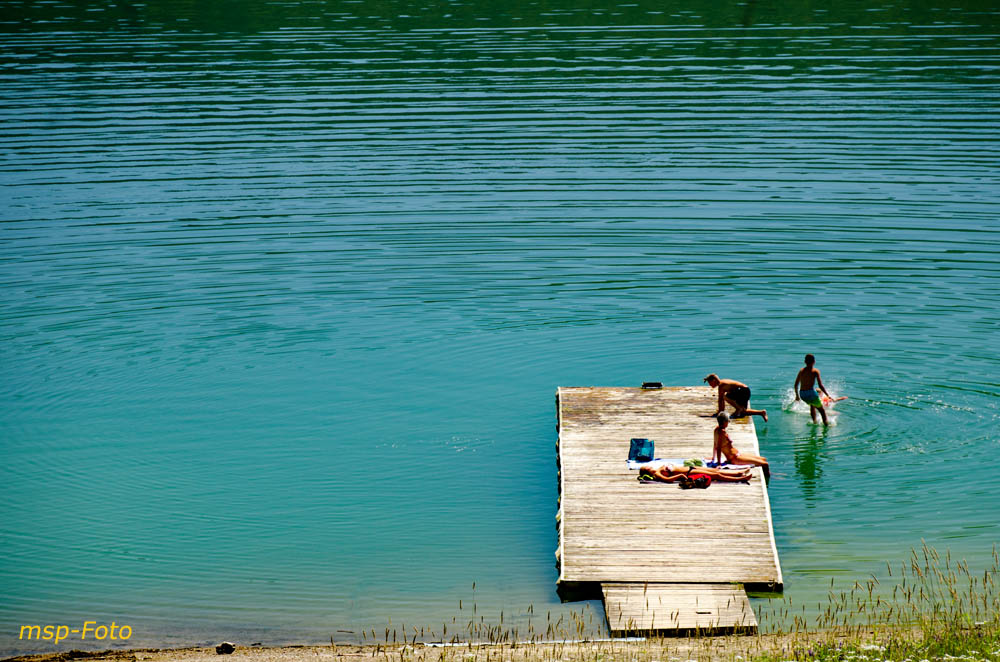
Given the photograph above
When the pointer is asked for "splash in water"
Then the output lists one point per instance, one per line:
(790, 404)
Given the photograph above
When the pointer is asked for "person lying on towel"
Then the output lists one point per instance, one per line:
(669, 473)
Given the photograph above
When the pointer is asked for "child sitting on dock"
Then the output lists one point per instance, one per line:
(723, 447)
(669, 473)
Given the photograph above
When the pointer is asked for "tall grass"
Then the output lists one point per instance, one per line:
(928, 607)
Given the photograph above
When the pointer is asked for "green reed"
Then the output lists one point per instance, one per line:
(929, 607)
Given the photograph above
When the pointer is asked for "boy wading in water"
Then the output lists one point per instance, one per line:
(805, 389)
(735, 393)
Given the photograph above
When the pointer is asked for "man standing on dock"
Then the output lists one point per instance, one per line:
(735, 393)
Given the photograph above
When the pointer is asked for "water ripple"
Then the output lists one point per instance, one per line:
(252, 263)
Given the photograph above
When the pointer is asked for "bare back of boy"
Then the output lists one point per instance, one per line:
(807, 378)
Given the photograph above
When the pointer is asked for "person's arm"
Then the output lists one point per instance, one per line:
(716, 456)
(795, 386)
(821, 387)
(664, 475)
(722, 402)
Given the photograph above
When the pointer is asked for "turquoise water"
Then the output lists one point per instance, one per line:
(288, 289)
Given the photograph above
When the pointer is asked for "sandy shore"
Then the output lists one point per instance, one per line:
(652, 650)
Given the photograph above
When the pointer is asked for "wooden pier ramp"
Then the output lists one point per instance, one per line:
(667, 560)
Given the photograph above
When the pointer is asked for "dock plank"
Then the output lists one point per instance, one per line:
(677, 607)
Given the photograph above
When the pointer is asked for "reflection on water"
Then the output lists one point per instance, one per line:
(810, 454)
(288, 287)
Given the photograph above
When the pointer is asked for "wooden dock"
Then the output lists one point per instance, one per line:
(666, 560)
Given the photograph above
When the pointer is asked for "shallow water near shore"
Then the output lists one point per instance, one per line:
(288, 289)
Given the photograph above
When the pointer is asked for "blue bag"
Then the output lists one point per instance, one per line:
(641, 450)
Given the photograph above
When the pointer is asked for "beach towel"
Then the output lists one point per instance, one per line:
(728, 465)
(717, 482)
(658, 462)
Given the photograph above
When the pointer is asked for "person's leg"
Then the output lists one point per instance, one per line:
(725, 475)
(739, 409)
(726, 479)
(740, 400)
(729, 476)
(755, 459)
(746, 458)
(811, 398)
(822, 413)
(743, 476)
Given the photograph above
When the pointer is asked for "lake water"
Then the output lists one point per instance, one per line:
(288, 287)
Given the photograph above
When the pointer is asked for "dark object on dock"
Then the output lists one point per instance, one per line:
(225, 648)
(652, 385)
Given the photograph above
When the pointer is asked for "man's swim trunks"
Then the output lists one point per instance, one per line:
(810, 397)
(740, 395)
